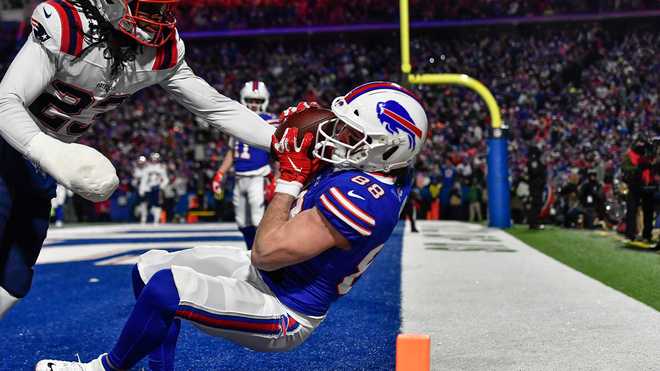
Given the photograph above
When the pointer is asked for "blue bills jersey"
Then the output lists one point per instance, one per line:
(364, 208)
(247, 158)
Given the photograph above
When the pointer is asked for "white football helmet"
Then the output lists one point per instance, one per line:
(255, 96)
(380, 126)
(149, 22)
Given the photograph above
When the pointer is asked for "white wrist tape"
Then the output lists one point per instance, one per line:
(80, 168)
(290, 188)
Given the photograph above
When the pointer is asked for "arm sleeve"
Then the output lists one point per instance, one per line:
(226, 114)
(27, 77)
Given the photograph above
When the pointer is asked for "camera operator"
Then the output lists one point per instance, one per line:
(536, 172)
(638, 174)
(591, 193)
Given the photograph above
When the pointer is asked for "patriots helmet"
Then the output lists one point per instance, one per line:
(380, 126)
(149, 22)
(255, 96)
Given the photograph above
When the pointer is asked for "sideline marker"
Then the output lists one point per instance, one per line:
(413, 352)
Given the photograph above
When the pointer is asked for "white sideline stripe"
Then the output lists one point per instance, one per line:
(119, 260)
(51, 255)
(518, 310)
(120, 228)
(341, 216)
(351, 207)
(77, 236)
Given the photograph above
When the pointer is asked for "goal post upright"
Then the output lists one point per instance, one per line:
(499, 211)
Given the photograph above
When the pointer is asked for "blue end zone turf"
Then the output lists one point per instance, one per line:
(65, 315)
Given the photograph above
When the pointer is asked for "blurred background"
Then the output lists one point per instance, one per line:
(577, 83)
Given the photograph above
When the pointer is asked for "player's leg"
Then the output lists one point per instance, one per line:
(224, 295)
(241, 208)
(155, 204)
(226, 261)
(162, 358)
(148, 325)
(257, 203)
(239, 308)
(142, 210)
(26, 231)
(24, 215)
(7, 300)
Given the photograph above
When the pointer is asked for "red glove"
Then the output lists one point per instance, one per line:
(216, 184)
(298, 108)
(296, 164)
(269, 187)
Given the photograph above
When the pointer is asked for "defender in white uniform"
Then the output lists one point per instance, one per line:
(85, 57)
(251, 165)
(153, 179)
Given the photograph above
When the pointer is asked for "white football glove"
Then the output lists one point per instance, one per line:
(80, 168)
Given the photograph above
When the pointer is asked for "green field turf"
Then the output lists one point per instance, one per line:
(636, 273)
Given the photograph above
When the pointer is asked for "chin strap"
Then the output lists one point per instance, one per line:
(6, 302)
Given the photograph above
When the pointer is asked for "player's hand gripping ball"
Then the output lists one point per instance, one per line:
(296, 164)
(306, 117)
(293, 144)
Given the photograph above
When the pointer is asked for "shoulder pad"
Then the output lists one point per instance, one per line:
(56, 24)
(170, 54)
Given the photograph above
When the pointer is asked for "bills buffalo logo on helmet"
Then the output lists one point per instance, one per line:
(396, 119)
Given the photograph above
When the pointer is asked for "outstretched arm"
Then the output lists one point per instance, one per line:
(79, 168)
(226, 114)
(27, 76)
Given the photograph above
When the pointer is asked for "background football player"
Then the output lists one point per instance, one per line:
(83, 58)
(311, 246)
(153, 179)
(251, 166)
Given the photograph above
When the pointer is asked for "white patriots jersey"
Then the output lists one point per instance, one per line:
(153, 175)
(52, 86)
(83, 86)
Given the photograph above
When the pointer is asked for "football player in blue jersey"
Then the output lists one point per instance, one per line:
(319, 234)
(251, 166)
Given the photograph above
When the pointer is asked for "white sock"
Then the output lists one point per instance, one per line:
(6, 301)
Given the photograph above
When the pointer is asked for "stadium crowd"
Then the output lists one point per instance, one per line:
(578, 93)
(238, 14)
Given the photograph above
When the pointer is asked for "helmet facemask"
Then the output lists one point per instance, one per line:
(255, 104)
(149, 22)
(348, 141)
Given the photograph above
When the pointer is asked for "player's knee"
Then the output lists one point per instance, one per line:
(161, 293)
(17, 281)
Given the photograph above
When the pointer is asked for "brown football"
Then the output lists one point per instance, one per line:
(306, 121)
